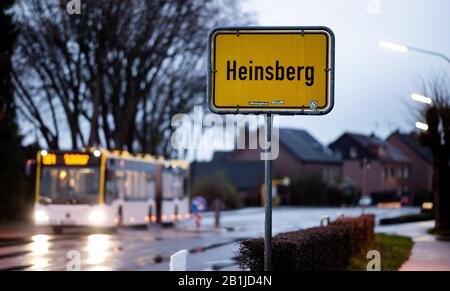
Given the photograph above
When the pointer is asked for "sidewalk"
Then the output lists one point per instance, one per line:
(15, 230)
(428, 254)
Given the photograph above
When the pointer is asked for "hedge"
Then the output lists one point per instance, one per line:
(325, 248)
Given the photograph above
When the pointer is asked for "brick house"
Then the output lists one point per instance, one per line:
(373, 164)
(421, 161)
(246, 176)
(299, 152)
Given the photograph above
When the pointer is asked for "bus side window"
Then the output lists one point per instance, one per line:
(128, 184)
(185, 186)
(144, 185)
(177, 185)
(135, 185)
(167, 185)
(120, 182)
(150, 186)
(112, 191)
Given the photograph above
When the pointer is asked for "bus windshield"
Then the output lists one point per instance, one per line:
(69, 185)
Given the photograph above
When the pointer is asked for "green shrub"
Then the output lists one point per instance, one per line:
(335, 196)
(320, 248)
(309, 189)
(349, 190)
(312, 190)
(217, 186)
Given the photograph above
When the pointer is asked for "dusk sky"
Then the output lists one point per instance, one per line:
(373, 85)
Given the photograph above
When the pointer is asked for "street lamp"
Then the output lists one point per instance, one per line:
(422, 126)
(404, 49)
(421, 98)
(393, 46)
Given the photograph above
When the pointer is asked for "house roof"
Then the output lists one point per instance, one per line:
(222, 155)
(409, 140)
(243, 174)
(391, 153)
(305, 147)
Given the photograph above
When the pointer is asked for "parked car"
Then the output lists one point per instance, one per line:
(405, 201)
(365, 201)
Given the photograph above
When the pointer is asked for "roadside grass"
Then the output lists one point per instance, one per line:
(394, 251)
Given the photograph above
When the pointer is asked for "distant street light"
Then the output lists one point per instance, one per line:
(404, 49)
(421, 98)
(393, 46)
(422, 126)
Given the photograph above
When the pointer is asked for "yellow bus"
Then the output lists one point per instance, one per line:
(98, 188)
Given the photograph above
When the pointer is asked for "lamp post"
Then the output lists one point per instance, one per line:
(421, 98)
(404, 49)
(422, 126)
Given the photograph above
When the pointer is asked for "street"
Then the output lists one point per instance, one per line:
(25, 248)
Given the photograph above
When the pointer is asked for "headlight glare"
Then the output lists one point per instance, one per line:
(97, 216)
(40, 216)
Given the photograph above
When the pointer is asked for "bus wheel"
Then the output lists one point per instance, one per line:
(57, 230)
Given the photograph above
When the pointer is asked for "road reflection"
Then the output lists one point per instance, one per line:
(97, 247)
(39, 264)
(150, 249)
(40, 246)
(93, 250)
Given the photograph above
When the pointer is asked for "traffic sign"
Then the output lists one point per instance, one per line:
(198, 204)
(281, 70)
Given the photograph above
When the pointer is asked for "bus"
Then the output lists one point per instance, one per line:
(102, 189)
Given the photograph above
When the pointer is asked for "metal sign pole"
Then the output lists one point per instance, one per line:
(268, 197)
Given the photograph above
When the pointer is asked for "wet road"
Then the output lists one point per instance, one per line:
(25, 248)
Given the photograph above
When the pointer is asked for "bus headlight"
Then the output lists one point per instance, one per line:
(40, 216)
(97, 216)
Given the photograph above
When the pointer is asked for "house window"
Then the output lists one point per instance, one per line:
(405, 172)
(392, 172)
(325, 174)
(400, 172)
(386, 173)
(353, 153)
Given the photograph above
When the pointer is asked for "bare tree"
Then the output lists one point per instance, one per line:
(116, 74)
(437, 138)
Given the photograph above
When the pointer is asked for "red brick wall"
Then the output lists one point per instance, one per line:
(376, 181)
(421, 172)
